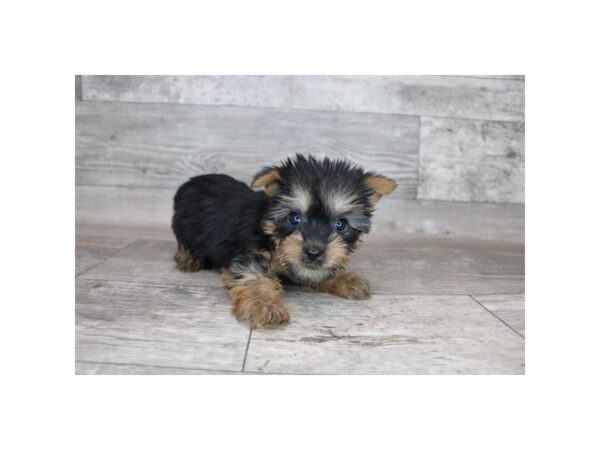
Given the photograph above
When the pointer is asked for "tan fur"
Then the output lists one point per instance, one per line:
(265, 254)
(289, 253)
(359, 244)
(271, 189)
(301, 199)
(299, 203)
(347, 285)
(339, 202)
(184, 260)
(289, 250)
(380, 186)
(265, 179)
(337, 254)
(268, 227)
(256, 299)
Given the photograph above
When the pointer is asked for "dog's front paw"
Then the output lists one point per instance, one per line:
(261, 313)
(347, 285)
(352, 285)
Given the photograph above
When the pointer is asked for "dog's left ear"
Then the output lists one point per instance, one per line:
(266, 178)
(379, 186)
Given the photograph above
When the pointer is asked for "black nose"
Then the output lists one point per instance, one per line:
(313, 253)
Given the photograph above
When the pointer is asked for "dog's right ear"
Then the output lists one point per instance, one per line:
(266, 178)
(379, 186)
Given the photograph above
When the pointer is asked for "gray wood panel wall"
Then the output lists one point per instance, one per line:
(487, 98)
(454, 144)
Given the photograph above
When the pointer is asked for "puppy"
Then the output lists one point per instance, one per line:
(300, 229)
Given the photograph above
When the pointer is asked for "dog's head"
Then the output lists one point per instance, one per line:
(318, 211)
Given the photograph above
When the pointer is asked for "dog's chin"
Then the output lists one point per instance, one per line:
(310, 273)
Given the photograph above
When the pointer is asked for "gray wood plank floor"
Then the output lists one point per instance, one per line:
(159, 325)
(508, 308)
(92, 250)
(392, 334)
(438, 306)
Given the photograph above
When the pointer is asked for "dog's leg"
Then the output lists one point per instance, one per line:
(345, 284)
(184, 260)
(255, 292)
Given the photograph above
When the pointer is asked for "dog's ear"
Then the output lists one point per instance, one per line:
(266, 178)
(379, 186)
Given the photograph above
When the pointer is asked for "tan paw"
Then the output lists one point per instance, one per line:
(347, 285)
(262, 313)
(185, 262)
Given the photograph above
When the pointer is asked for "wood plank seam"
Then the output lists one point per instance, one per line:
(246, 353)
(492, 313)
(106, 258)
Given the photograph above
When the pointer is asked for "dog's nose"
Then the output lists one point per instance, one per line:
(313, 253)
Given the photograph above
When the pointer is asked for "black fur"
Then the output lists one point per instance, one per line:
(218, 218)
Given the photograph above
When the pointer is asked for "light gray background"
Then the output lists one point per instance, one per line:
(455, 144)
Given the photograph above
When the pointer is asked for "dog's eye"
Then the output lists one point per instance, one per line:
(295, 219)
(341, 224)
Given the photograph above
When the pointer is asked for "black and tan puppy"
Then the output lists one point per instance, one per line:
(300, 229)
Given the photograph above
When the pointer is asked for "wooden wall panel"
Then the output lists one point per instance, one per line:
(161, 146)
(472, 160)
(488, 98)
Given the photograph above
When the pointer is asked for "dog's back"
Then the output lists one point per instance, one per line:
(216, 218)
